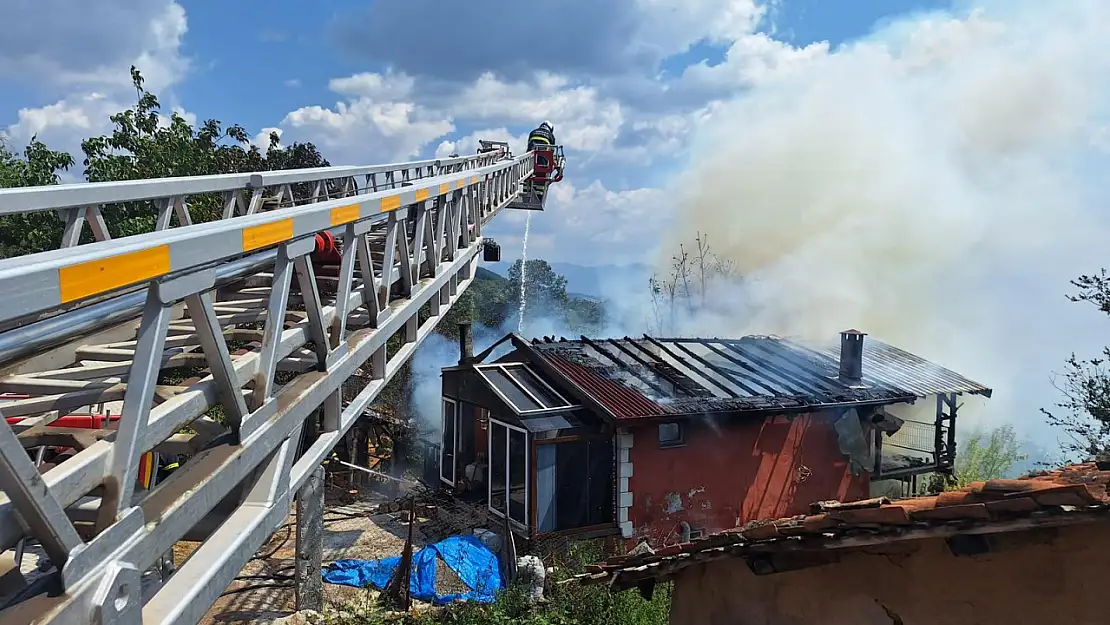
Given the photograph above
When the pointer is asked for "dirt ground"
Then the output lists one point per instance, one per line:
(351, 530)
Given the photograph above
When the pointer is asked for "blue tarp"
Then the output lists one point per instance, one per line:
(467, 556)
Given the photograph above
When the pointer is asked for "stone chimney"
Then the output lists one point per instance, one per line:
(851, 357)
(466, 344)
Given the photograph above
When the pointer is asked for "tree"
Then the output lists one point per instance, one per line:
(988, 456)
(543, 287)
(38, 166)
(685, 287)
(1084, 411)
(143, 143)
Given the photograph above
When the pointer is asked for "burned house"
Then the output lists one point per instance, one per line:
(663, 440)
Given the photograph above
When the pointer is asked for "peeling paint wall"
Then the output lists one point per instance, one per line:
(1047, 576)
(728, 473)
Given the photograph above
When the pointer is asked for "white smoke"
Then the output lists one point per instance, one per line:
(936, 185)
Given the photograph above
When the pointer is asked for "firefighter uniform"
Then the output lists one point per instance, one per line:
(541, 137)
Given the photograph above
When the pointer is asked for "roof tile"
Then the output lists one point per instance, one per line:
(1077, 489)
(970, 511)
(885, 515)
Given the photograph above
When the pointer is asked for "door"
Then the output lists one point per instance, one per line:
(449, 441)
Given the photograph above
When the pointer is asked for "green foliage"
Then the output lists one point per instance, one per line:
(39, 166)
(492, 300)
(988, 456)
(143, 143)
(981, 457)
(546, 294)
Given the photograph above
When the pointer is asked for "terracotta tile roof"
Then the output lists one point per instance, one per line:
(1071, 494)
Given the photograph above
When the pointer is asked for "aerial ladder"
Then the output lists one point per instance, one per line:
(247, 346)
(547, 169)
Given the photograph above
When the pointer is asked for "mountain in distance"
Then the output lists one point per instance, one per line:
(589, 282)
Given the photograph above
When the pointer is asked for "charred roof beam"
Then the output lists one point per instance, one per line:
(724, 373)
(805, 368)
(682, 361)
(643, 378)
(679, 383)
(739, 378)
(788, 379)
(631, 370)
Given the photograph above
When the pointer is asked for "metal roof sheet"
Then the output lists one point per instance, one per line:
(653, 377)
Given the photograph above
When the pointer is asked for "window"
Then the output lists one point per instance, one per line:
(521, 388)
(508, 472)
(670, 434)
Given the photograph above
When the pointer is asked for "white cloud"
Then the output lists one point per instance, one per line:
(469, 144)
(672, 26)
(98, 87)
(583, 119)
(370, 126)
(61, 43)
(751, 59)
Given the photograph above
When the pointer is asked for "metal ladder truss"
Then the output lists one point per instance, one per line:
(271, 339)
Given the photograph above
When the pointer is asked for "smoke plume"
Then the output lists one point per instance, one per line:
(935, 185)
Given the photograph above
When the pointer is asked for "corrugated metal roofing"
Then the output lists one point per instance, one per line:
(619, 400)
(650, 377)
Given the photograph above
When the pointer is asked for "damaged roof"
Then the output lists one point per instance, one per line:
(1076, 493)
(659, 377)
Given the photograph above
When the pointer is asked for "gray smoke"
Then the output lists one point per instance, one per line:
(936, 184)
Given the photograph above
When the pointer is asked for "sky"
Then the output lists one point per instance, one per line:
(393, 80)
(927, 171)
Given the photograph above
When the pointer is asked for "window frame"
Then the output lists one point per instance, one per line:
(503, 368)
(508, 473)
(679, 441)
(454, 442)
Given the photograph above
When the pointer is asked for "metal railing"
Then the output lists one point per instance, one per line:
(408, 248)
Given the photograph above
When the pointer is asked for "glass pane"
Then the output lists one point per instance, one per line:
(498, 441)
(447, 443)
(546, 479)
(536, 387)
(670, 433)
(518, 400)
(518, 476)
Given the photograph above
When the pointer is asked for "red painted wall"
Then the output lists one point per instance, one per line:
(731, 473)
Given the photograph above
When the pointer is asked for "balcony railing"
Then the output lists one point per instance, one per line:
(917, 447)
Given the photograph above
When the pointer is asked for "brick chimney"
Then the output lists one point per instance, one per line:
(851, 357)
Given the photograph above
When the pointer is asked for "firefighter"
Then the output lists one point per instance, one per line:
(166, 466)
(542, 136)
